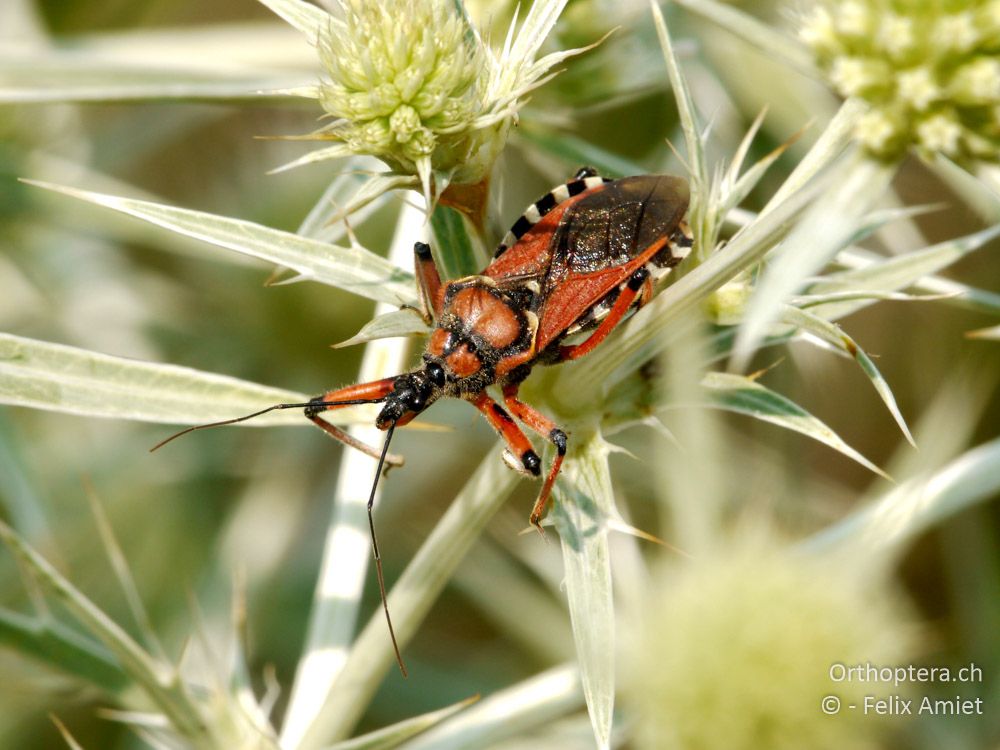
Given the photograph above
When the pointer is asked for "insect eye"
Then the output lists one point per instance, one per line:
(436, 373)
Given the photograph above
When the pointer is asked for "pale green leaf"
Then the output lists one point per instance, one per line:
(61, 648)
(405, 322)
(62, 378)
(396, 734)
(895, 273)
(373, 189)
(742, 395)
(907, 510)
(320, 223)
(409, 601)
(512, 712)
(685, 104)
(992, 333)
(68, 79)
(763, 36)
(741, 185)
(352, 269)
(882, 217)
(837, 134)
(732, 172)
(808, 301)
(306, 17)
(336, 151)
(157, 679)
(977, 191)
(584, 502)
(220, 62)
(826, 229)
(833, 334)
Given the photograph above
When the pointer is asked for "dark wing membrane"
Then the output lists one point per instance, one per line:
(602, 239)
(612, 226)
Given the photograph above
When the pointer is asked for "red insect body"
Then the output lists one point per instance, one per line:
(578, 259)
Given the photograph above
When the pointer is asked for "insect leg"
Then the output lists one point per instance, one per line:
(346, 438)
(428, 282)
(517, 443)
(374, 391)
(547, 429)
(638, 286)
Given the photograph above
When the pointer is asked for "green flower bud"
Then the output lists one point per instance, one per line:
(977, 82)
(931, 78)
(940, 132)
(857, 76)
(742, 650)
(881, 132)
(405, 121)
(895, 35)
(956, 32)
(393, 68)
(726, 304)
(917, 87)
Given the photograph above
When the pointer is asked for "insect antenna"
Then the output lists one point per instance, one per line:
(245, 417)
(378, 557)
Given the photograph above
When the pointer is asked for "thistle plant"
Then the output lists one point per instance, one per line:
(761, 673)
(406, 82)
(930, 73)
(415, 85)
(717, 410)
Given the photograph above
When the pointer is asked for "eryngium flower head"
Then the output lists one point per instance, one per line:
(405, 80)
(734, 650)
(929, 70)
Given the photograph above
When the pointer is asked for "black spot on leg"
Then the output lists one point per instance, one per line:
(638, 278)
(316, 406)
(558, 438)
(422, 250)
(532, 462)
(501, 413)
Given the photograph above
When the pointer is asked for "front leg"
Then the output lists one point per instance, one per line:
(428, 282)
(360, 393)
(547, 429)
(520, 448)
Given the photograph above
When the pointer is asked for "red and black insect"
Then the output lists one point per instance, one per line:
(578, 259)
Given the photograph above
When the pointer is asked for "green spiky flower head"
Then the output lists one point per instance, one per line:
(405, 80)
(735, 651)
(930, 71)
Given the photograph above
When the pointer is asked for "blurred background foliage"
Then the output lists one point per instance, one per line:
(252, 504)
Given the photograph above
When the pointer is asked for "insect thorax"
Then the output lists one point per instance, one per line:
(481, 324)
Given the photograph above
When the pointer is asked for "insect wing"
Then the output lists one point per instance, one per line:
(530, 257)
(602, 239)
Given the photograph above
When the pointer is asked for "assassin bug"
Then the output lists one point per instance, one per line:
(580, 258)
